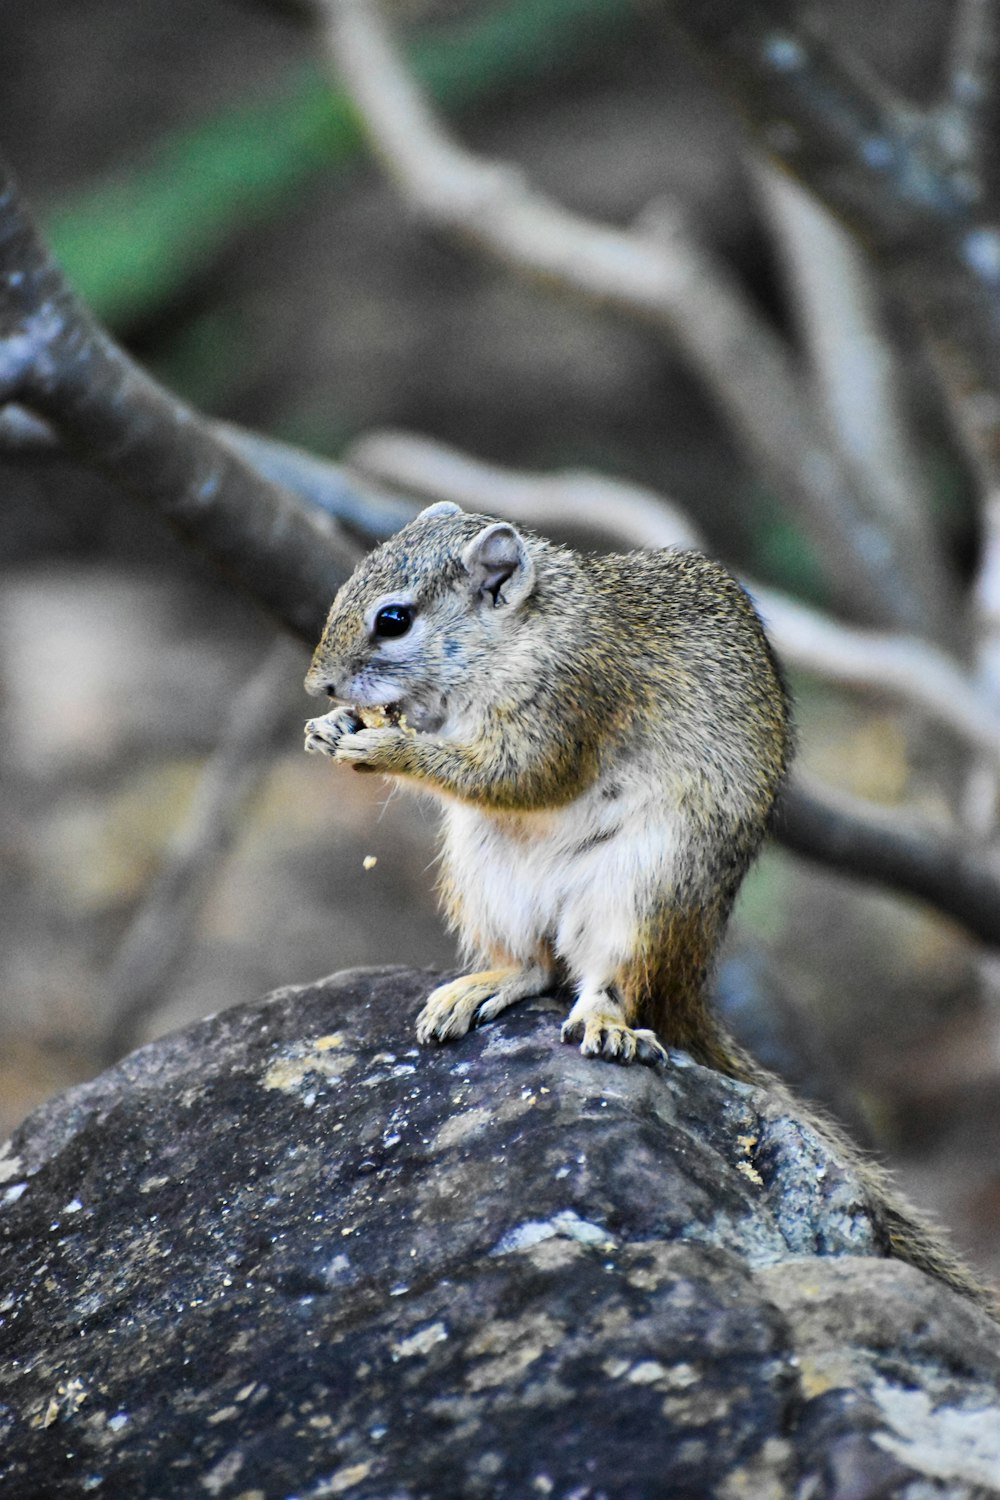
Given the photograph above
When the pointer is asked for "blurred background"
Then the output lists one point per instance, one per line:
(207, 191)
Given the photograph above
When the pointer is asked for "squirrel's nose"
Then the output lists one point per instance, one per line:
(318, 682)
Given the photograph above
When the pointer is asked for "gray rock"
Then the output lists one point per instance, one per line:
(285, 1253)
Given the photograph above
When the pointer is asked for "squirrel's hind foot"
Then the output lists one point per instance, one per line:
(473, 999)
(598, 1024)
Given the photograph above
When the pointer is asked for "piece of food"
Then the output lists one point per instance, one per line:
(377, 717)
(385, 716)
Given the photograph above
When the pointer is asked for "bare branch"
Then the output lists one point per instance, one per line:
(634, 516)
(676, 288)
(876, 162)
(905, 668)
(854, 365)
(884, 168)
(56, 362)
(969, 119)
(871, 843)
(367, 511)
(22, 432)
(162, 932)
(969, 127)
(987, 590)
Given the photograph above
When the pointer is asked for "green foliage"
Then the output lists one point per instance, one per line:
(132, 244)
(783, 553)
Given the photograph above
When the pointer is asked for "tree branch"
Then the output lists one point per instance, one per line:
(854, 366)
(367, 511)
(856, 838)
(916, 674)
(56, 362)
(885, 168)
(575, 500)
(969, 119)
(875, 161)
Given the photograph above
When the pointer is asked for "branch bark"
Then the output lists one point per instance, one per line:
(854, 366)
(891, 171)
(970, 114)
(856, 838)
(876, 162)
(56, 361)
(368, 511)
(574, 500)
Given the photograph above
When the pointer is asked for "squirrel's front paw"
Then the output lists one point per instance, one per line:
(452, 1008)
(323, 735)
(370, 749)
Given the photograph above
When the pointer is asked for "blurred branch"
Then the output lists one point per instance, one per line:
(915, 673)
(21, 432)
(889, 170)
(364, 509)
(901, 666)
(987, 588)
(634, 516)
(161, 934)
(859, 381)
(673, 285)
(874, 160)
(970, 115)
(875, 844)
(60, 365)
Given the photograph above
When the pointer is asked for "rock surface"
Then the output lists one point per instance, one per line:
(285, 1253)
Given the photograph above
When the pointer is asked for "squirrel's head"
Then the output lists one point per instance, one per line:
(420, 618)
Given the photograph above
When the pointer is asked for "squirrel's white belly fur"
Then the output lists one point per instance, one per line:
(576, 878)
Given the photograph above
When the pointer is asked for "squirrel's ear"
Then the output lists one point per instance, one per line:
(499, 564)
(440, 508)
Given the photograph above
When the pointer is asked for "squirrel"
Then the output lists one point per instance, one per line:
(608, 736)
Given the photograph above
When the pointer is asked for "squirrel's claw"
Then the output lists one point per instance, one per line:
(369, 749)
(603, 1033)
(476, 998)
(324, 734)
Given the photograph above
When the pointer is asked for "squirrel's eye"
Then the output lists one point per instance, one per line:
(392, 620)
